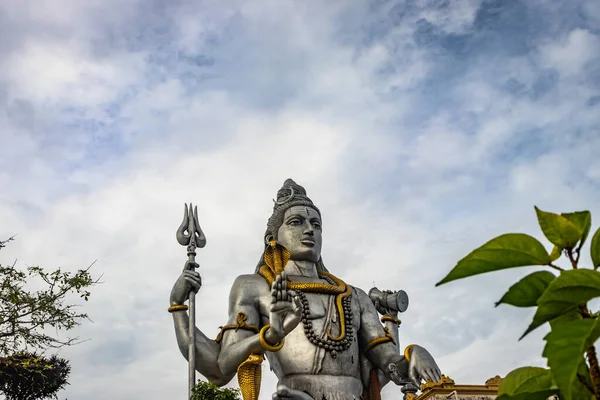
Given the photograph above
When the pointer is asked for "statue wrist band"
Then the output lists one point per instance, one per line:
(178, 307)
(265, 344)
(390, 319)
(407, 351)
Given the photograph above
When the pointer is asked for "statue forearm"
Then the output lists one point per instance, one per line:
(384, 355)
(234, 351)
(392, 328)
(207, 350)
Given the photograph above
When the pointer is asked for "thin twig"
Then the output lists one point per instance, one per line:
(585, 383)
(555, 267)
(573, 261)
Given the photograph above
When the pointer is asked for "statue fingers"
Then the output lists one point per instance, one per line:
(297, 304)
(193, 274)
(414, 377)
(283, 392)
(190, 265)
(279, 306)
(274, 292)
(434, 375)
(195, 277)
(428, 375)
(284, 287)
(195, 285)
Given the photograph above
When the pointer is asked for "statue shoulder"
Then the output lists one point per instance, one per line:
(363, 298)
(358, 292)
(250, 284)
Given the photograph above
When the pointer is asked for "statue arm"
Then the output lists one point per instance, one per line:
(370, 329)
(207, 350)
(238, 344)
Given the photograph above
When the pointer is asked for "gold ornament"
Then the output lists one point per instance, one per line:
(241, 324)
(249, 376)
(179, 307)
(407, 351)
(265, 344)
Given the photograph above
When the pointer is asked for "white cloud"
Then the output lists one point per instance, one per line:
(412, 165)
(572, 53)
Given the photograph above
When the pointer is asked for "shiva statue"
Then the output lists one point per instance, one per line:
(323, 338)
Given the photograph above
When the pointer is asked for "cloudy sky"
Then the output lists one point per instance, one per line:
(421, 128)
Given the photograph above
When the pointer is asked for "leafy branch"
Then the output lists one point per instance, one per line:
(559, 300)
(25, 314)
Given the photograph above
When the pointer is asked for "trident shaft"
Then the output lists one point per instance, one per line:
(190, 234)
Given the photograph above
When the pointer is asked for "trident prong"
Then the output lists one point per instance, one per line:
(189, 232)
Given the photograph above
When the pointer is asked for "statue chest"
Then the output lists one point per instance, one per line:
(318, 305)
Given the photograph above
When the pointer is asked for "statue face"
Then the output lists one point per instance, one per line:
(300, 233)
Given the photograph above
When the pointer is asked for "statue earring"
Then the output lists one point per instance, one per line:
(269, 239)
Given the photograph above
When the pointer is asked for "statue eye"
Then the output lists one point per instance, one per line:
(317, 225)
(295, 221)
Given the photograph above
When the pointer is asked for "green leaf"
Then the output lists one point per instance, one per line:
(579, 389)
(566, 318)
(506, 251)
(595, 249)
(582, 221)
(527, 383)
(569, 290)
(565, 347)
(556, 253)
(527, 291)
(558, 229)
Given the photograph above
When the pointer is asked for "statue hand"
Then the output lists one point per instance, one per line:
(285, 312)
(285, 393)
(421, 366)
(188, 280)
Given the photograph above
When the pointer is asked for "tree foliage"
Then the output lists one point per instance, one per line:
(210, 391)
(28, 376)
(561, 300)
(25, 314)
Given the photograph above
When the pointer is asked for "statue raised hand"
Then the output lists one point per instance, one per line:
(285, 312)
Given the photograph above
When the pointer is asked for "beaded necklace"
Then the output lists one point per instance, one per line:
(343, 299)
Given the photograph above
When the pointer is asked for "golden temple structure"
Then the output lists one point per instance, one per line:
(447, 389)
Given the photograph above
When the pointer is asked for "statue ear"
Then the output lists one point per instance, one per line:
(268, 238)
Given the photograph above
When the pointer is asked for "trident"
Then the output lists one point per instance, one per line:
(190, 234)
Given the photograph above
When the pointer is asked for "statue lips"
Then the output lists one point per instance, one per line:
(308, 242)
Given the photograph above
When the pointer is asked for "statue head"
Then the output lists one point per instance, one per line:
(295, 224)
